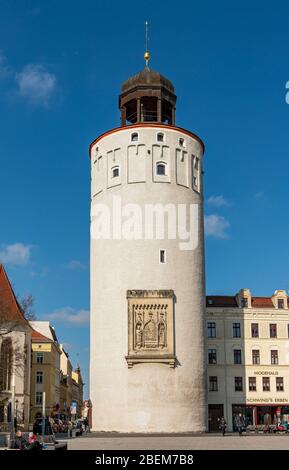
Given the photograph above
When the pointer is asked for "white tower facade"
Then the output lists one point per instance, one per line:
(147, 354)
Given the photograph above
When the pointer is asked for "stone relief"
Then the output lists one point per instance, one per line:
(151, 326)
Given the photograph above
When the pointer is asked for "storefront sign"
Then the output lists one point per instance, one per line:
(266, 400)
(266, 372)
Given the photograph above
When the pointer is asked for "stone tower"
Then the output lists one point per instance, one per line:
(147, 364)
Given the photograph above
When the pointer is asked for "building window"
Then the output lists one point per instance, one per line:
(161, 169)
(255, 330)
(195, 173)
(39, 357)
(274, 357)
(273, 330)
(279, 384)
(39, 377)
(236, 330)
(238, 384)
(160, 137)
(115, 172)
(6, 359)
(280, 303)
(39, 398)
(213, 384)
(134, 137)
(244, 302)
(162, 256)
(266, 384)
(212, 356)
(182, 142)
(237, 356)
(211, 329)
(255, 356)
(252, 384)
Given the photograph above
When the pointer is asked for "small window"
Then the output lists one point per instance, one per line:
(238, 384)
(279, 384)
(255, 330)
(115, 172)
(252, 384)
(160, 137)
(266, 384)
(162, 256)
(182, 142)
(236, 330)
(237, 356)
(39, 377)
(212, 356)
(211, 327)
(39, 357)
(274, 357)
(273, 330)
(39, 398)
(255, 356)
(161, 169)
(280, 303)
(244, 302)
(134, 137)
(210, 302)
(213, 384)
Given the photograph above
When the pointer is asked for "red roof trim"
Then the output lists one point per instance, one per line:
(134, 126)
(230, 301)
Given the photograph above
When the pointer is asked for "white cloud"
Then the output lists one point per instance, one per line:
(70, 315)
(218, 201)
(216, 226)
(36, 84)
(74, 264)
(16, 254)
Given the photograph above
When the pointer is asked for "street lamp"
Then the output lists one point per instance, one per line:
(16, 413)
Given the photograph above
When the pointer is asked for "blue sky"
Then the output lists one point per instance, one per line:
(61, 67)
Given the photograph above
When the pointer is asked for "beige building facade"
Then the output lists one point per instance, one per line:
(248, 358)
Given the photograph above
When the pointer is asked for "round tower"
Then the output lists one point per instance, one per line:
(147, 363)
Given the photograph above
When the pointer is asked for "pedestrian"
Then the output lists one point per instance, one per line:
(223, 425)
(85, 422)
(33, 443)
(20, 441)
(240, 424)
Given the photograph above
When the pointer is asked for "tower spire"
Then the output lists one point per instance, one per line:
(147, 54)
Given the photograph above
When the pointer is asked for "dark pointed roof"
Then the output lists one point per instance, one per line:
(10, 309)
(147, 77)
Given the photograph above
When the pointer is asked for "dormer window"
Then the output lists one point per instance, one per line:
(160, 137)
(244, 302)
(161, 169)
(134, 137)
(281, 303)
(115, 172)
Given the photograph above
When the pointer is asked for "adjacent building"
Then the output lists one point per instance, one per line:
(45, 372)
(15, 358)
(77, 392)
(248, 358)
(66, 382)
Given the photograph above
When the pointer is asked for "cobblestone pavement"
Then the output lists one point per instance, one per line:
(196, 442)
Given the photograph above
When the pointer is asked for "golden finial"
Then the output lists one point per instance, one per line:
(147, 54)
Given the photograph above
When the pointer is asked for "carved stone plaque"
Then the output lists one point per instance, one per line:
(150, 327)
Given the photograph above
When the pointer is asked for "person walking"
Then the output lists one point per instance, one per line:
(20, 441)
(223, 425)
(240, 423)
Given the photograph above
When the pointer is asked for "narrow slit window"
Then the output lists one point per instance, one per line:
(160, 137)
(162, 256)
(134, 137)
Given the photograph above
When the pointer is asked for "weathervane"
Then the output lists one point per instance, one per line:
(147, 54)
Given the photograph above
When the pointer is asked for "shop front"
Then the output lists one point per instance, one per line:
(262, 414)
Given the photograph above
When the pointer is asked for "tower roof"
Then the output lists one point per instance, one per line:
(10, 310)
(147, 78)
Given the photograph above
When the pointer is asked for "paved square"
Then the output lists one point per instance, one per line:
(180, 442)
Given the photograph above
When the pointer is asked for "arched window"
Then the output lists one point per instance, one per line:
(6, 355)
(160, 137)
(161, 169)
(134, 137)
(115, 172)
